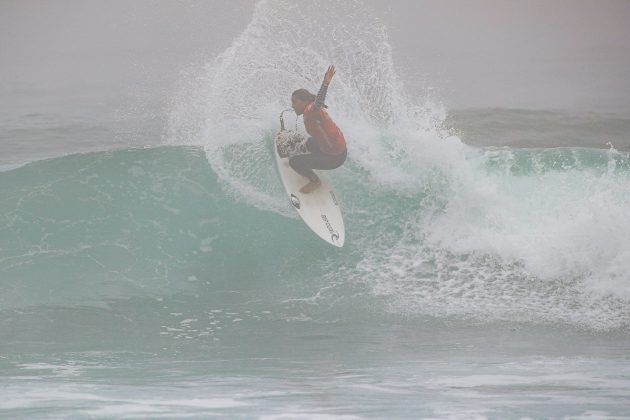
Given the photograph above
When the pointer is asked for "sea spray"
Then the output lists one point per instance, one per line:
(437, 226)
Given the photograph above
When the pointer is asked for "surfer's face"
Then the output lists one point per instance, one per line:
(298, 105)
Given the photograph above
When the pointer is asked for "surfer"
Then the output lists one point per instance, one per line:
(326, 143)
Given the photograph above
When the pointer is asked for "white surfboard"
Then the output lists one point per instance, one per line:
(319, 209)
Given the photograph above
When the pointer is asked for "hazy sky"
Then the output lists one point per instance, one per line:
(560, 54)
(535, 53)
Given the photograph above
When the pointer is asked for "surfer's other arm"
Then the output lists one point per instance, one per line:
(321, 95)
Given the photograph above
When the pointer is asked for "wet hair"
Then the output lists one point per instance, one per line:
(304, 95)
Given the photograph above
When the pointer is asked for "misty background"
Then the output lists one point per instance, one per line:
(118, 63)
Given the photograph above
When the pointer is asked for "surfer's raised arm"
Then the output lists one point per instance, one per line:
(321, 95)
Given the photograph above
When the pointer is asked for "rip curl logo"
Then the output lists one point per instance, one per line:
(334, 235)
(295, 201)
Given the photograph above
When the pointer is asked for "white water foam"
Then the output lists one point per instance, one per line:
(549, 246)
(483, 240)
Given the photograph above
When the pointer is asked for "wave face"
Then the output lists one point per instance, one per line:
(517, 235)
(435, 227)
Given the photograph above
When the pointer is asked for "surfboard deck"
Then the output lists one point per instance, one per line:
(320, 209)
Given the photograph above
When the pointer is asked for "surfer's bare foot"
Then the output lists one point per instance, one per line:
(311, 186)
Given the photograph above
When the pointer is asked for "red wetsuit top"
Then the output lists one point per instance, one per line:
(322, 128)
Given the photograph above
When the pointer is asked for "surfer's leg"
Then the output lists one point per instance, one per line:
(328, 162)
(322, 161)
(303, 165)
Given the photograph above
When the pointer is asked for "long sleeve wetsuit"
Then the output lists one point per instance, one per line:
(327, 145)
(321, 96)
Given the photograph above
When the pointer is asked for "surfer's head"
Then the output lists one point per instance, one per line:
(300, 99)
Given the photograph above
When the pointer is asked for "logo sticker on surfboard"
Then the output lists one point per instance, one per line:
(334, 235)
(295, 201)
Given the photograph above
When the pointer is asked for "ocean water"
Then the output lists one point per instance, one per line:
(154, 268)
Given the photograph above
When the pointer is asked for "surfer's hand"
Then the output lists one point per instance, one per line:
(329, 74)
